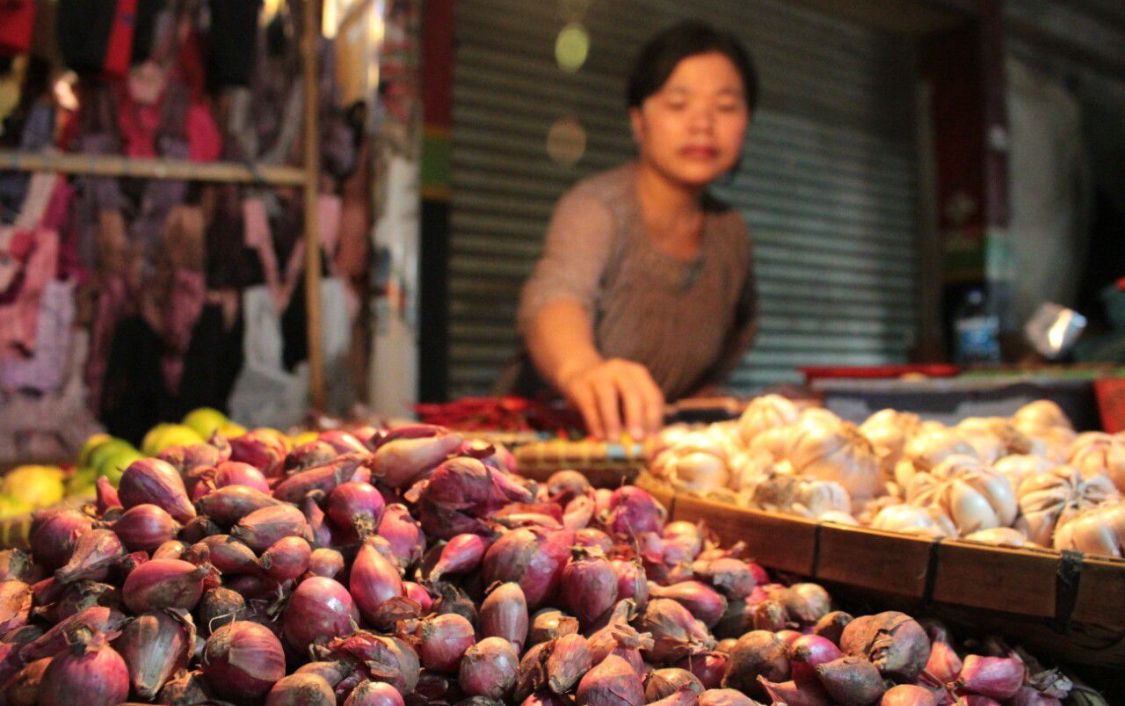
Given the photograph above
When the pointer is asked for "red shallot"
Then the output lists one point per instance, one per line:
(994, 677)
(355, 507)
(632, 511)
(22, 689)
(460, 554)
(943, 664)
(231, 503)
(89, 669)
(150, 480)
(851, 680)
(443, 640)
(664, 682)
(488, 668)
(675, 631)
(380, 657)
(907, 695)
(264, 449)
(529, 556)
(106, 495)
(95, 553)
(503, 613)
(326, 562)
(702, 601)
(709, 667)
(54, 534)
(374, 579)
(398, 462)
(243, 660)
(374, 693)
(145, 527)
(893, 641)
(319, 610)
(228, 555)
(568, 658)
(757, 653)
(154, 646)
(725, 697)
(403, 533)
(218, 607)
(588, 585)
(611, 683)
(286, 559)
(806, 652)
(164, 583)
(792, 694)
(263, 527)
(238, 473)
(301, 690)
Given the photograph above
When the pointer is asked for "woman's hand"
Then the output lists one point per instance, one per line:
(610, 392)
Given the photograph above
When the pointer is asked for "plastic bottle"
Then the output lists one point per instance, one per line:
(976, 330)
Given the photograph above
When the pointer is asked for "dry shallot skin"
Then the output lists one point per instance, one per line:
(893, 641)
(611, 683)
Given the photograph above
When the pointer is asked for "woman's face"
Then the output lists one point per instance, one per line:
(691, 129)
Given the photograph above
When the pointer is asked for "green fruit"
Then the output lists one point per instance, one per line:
(205, 420)
(113, 466)
(92, 442)
(164, 435)
(82, 482)
(12, 507)
(38, 486)
(107, 449)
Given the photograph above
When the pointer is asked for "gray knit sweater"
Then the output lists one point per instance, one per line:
(688, 322)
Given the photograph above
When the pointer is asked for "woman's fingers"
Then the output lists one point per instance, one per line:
(582, 396)
(617, 392)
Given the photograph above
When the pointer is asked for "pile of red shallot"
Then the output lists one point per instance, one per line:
(410, 567)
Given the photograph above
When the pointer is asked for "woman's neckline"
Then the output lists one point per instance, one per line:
(658, 246)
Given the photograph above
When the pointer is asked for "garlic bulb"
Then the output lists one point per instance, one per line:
(926, 450)
(1041, 414)
(782, 492)
(749, 467)
(1051, 499)
(1097, 453)
(837, 451)
(1017, 467)
(1099, 530)
(929, 521)
(999, 537)
(774, 442)
(888, 430)
(996, 437)
(968, 491)
(766, 412)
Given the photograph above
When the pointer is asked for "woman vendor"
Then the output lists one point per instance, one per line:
(645, 290)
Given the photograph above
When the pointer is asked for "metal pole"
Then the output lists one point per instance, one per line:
(309, 41)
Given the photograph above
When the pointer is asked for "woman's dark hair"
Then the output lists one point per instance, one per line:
(659, 57)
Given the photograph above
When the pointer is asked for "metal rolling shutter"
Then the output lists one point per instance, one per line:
(827, 182)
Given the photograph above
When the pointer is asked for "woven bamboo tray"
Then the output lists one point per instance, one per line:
(605, 464)
(1066, 604)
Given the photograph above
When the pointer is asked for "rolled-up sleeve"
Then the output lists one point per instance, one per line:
(574, 257)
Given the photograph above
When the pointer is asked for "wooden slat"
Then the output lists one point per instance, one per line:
(997, 578)
(149, 168)
(860, 557)
(776, 541)
(1101, 593)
